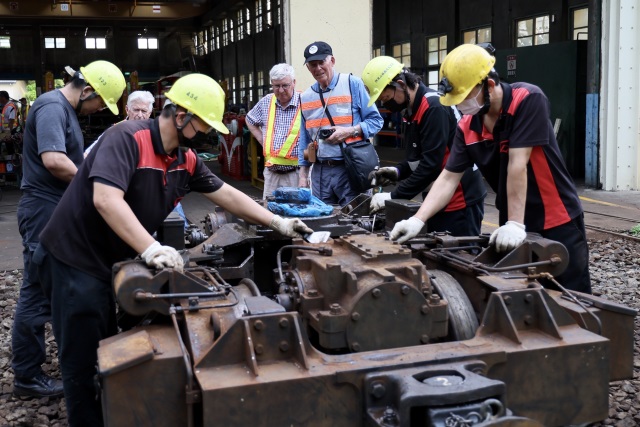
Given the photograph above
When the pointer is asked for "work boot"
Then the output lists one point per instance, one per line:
(40, 385)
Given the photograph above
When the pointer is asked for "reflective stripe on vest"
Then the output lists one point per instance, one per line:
(5, 124)
(283, 155)
(339, 106)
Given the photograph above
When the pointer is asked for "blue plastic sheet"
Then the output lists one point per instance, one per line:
(298, 202)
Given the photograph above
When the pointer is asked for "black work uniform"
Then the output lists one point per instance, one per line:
(429, 134)
(78, 248)
(552, 208)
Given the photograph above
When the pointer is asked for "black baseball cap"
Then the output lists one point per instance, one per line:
(317, 51)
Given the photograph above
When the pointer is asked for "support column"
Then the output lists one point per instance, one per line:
(619, 95)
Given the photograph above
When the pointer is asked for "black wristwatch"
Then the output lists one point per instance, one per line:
(356, 133)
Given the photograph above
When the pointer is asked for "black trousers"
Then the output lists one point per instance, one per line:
(574, 237)
(83, 313)
(463, 222)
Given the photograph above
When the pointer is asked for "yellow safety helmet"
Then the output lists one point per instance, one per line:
(202, 96)
(378, 73)
(107, 80)
(463, 68)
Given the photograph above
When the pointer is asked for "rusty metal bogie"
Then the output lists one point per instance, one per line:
(368, 333)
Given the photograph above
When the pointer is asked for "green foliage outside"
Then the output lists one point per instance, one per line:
(31, 89)
(635, 230)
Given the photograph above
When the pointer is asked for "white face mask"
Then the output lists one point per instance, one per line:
(470, 106)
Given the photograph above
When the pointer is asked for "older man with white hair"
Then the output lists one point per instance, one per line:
(275, 123)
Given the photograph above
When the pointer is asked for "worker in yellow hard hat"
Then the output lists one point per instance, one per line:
(508, 135)
(428, 135)
(128, 184)
(53, 146)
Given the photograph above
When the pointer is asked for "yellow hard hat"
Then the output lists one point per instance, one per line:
(202, 96)
(107, 80)
(463, 68)
(378, 73)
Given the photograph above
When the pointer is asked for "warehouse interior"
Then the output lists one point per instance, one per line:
(556, 45)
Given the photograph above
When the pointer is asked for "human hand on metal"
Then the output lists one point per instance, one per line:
(290, 227)
(159, 256)
(384, 176)
(508, 236)
(377, 202)
(406, 229)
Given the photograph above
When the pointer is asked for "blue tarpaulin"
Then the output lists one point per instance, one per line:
(299, 202)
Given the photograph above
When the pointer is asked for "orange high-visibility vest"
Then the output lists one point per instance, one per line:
(5, 122)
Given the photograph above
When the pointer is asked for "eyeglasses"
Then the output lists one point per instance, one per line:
(283, 87)
(206, 132)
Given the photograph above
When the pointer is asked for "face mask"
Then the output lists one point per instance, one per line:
(197, 141)
(395, 107)
(470, 107)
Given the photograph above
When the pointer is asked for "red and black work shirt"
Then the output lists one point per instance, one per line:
(429, 134)
(129, 156)
(524, 121)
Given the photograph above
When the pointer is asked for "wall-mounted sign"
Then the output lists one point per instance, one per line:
(511, 65)
(13, 5)
(64, 7)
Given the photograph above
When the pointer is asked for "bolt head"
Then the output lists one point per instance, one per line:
(378, 390)
(259, 325)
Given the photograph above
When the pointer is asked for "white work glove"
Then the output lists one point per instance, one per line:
(377, 202)
(159, 256)
(290, 227)
(508, 236)
(384, 176)
(406, 229)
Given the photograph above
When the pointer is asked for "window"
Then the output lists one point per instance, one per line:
(436, 52)
(269, 22)
(225, 32)
(247, 22)
(234, 95)
(232, 33)
(5, 42)
(581, 24)
(258, 16)
(54, 42)
(533, 31)
(260, 84)
(240, 21)
(377, 51)
(479, 35)
(95, 43)
(278, 20)
(201, 42)
(251, 89)
(243, 88)
(147, 43)
(214, 40)
(402, 52)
